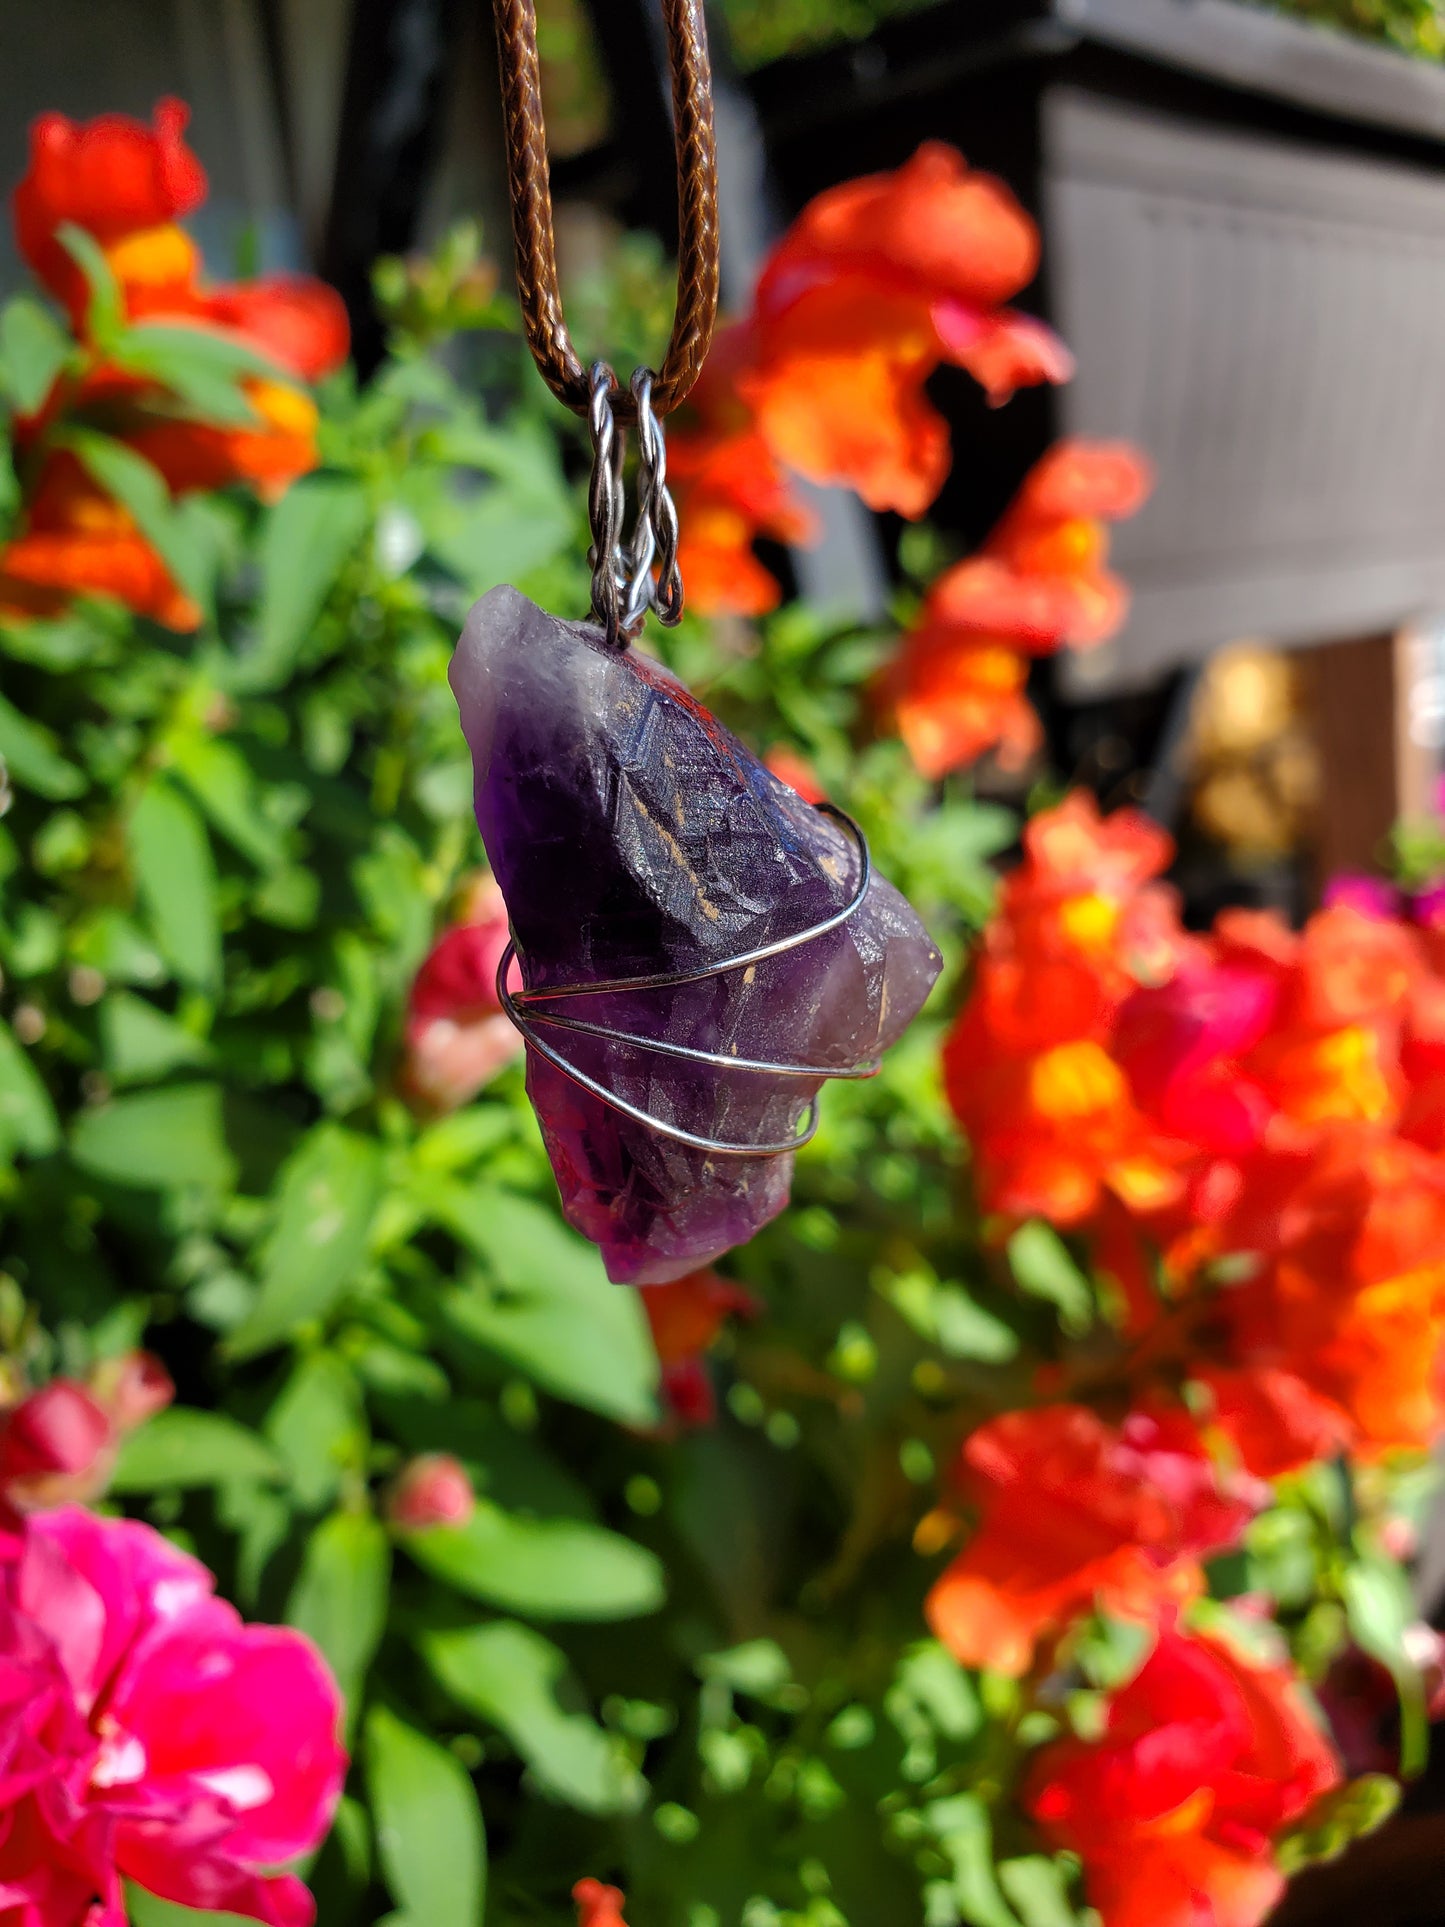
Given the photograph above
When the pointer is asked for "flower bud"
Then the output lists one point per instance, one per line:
(430, 1490)
(599, 1906)
(132, 1388)
(55, 1444)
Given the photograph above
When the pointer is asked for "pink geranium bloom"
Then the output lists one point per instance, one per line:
(147, 1734)
(457, 1036)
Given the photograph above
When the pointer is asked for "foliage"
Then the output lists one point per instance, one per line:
(1415, 26)
(689, 1655)
(761, 31)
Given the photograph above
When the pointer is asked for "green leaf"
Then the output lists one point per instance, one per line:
(547, 1568)
(176, 876)
(1043, 1266)
(157, 1140)
(27, 1116)
(184, 1447)
(966, 1836)
(149, 1910)
(757, 1667)
(32, 759)
(340, 1596)
(328, 1192)
(428, 1826)
(200, 365)
(140, 1044)
(1038, 1891)
(519, 1682)
(174, 531)
(316, 1427)
(964, 1329)
(555, 1317)
(1380, 1609)
(33, 350)
(105, 312)
(311, 534)
(223, 783)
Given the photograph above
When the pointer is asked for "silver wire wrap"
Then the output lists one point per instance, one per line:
(521, 1007)
(623, 589)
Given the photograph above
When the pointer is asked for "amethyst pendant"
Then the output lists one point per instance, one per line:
(634, 837)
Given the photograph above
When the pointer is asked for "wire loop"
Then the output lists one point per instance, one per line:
(523, 1007)
(623, 588)
(531, 197)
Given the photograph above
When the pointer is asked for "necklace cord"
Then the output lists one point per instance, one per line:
(529, 182)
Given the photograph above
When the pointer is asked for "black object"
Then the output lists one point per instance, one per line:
(1244, 245)
(391, 128)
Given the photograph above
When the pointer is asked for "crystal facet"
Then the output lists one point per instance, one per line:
(632, 834)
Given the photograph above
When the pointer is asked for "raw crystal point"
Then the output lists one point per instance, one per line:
(632, 834)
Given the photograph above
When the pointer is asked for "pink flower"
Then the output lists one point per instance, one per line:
(147, 1734)
(431, 1490)
(457, 1037)
(1371, 896)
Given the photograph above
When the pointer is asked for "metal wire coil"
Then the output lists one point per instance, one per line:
(623, 589)
(521, 1007)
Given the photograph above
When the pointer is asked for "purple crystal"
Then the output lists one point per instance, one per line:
(632, 834)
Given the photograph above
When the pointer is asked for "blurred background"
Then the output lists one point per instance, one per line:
(1243, 223)
(1243, 230)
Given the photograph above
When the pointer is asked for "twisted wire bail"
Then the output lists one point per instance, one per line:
(640, 596)
(605, 503)
(657, 531)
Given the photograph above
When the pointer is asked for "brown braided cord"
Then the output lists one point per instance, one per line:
(531, 194)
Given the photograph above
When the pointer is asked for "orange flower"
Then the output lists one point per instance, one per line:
(1073, 1512)
(1050, 1116)
(875, 283)
(112, 176)
(1353, 1296)
(953, 701)
(730, 489)
(1054, 1133)
(123, 183)
(956, 688)
(75, 540)
(1204, 1760)
(270, 456)
(685, 1317)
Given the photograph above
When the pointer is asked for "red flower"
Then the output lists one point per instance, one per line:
(55, 1443)
(1072, 1512)
(599, 1906)
(1203, 1761)
(1272, 1418)
(685, 1317)
(112, 176)
(296, 320)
